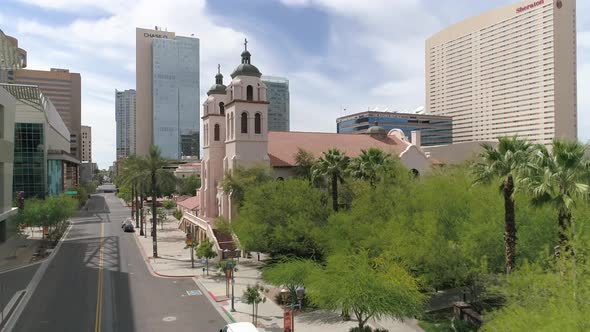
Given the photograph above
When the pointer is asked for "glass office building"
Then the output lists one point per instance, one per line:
(277, 93)
(125, 118)
(176, 105)
(434, 129)
(29, 159)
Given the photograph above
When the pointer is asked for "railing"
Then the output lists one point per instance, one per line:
(205, 226)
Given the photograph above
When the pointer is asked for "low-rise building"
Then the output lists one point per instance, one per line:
(7, 113)
(42, 160)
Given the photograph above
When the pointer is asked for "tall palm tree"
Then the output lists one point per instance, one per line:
(332, 166)
(558, 178)
(154, 164)
(506, 164)
(132, 175)
(369, 164)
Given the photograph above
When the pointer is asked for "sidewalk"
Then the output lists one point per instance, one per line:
(19, 251)
(174, 260)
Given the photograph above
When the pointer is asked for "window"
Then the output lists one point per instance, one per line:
(250, 93)
(216, 132)
(244, 120)
(257, 123)
(221, 108)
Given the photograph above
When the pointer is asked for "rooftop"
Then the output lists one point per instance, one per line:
(282, 146)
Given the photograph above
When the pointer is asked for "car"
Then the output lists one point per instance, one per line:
(239, 327)
(127, 225)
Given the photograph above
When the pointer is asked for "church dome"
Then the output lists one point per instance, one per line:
(246, 68)
(218, 87)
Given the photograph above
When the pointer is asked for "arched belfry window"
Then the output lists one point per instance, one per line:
(244, 122)
(257, 123)
(249, 93)
(221, 108)
(216, 132)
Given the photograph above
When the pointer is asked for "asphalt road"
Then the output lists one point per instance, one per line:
(98, 281)
(13, 281)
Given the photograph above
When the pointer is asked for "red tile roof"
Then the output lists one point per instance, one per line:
(191, 203)
(282, 146)
(182, 198)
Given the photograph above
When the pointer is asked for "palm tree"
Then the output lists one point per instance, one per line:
(505, 163)
(369, 164)
(332, 166)
(132, 176)
(154, 164)
(558, 178)
(304, 161)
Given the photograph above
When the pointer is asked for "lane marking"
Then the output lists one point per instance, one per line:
(99, 291)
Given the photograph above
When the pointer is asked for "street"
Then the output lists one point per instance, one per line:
(98, 281)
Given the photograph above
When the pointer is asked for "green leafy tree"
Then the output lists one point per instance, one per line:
(506, 163)
(289, 273)
(169, 204)
(189, 185)
(235, 183)
(282, 218)
(253, 295)
(331, 166)
(370, 164)
(369, 288)
(162, 217)
(558, 178)
(205, 250)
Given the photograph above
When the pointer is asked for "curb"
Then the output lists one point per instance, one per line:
(23, 266)
(151, 268)
(216, 299)
(213, 300)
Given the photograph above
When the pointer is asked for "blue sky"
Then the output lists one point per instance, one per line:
(337, 54)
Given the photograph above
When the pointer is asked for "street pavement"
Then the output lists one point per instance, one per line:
(98, 281)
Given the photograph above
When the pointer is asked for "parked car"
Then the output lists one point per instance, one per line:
(128, 226)
(239, 327)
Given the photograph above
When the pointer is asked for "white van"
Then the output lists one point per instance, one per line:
(239, 327)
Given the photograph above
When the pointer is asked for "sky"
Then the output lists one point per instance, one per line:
(340, 56)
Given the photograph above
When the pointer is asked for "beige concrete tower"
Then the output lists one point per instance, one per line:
(509, 71)
(246, 120)
(214, 135)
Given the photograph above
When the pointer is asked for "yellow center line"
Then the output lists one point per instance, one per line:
(99, 291)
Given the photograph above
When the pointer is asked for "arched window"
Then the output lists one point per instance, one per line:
(257, 123)
(216, 132)
(249, 93)
(244, 121)
(221, 108)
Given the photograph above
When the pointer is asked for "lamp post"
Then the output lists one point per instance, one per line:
(288, 316)
(300, 291)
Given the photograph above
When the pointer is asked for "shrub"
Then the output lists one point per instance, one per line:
(169, 204)
(177, 214)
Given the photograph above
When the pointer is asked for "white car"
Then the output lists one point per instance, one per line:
(239, 327)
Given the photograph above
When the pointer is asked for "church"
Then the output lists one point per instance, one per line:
(235, 134)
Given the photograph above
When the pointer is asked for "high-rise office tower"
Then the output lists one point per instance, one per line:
(278, 99)
(86, 144)
(64, 90)
(11, 57)
(125, 103)
(167, 82)
(509, 71)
